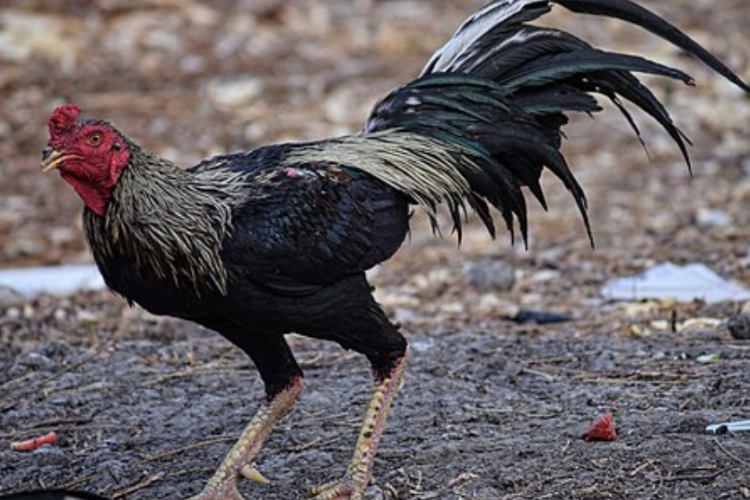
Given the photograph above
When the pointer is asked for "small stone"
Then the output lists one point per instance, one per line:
(545, 275)
(28, 362)
(35, 360)
(708, 217)
(533, 316)
(234, 94)
(453, 307)
(88, 317)
(489, 303)
(739, 326)
(490, 276)
(9, 298)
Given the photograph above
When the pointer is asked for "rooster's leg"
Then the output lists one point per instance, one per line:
(358, 475)
(238, 462)
(282, 378)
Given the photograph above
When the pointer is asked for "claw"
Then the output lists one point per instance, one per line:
(253, 474)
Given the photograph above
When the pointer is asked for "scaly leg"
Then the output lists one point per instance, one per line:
(358, 475)
(238, 462)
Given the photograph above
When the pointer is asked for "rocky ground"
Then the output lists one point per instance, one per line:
(491, 408)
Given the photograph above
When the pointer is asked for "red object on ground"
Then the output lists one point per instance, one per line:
(33, 444)
(601, 430)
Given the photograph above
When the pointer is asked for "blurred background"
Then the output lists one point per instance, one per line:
(190, 79)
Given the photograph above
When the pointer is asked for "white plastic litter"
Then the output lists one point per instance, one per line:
(682, 283)
(723, 428)
(56, 280)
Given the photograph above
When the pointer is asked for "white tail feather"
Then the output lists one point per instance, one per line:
(454, 52)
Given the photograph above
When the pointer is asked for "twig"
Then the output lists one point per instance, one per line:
(156, 478)
(565, 448)
(76, 482)
(730, 454)
(177, 451)
(52, 377)
(540, 373)
(310, 444)
(61, 421)
(145, 383)
(193, 372)
(642, 466)
(339, 419)
(694, 477)
(640, 378)
(143, 484)
(17, 380)
(661, 478)
(323, 360)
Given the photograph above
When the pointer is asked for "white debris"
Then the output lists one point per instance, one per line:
(57, 280)
(723, 428)
(670, 281)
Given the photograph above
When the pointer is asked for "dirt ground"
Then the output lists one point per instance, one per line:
(491, 408)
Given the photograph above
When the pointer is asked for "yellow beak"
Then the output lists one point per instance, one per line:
(51, 159)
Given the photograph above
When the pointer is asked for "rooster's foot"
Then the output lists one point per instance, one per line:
(226, 489)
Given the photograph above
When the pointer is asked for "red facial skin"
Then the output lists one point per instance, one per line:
(93, 156)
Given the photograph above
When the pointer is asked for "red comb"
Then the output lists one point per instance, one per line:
(64, 120)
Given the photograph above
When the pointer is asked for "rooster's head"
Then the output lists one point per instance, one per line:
(89, 154)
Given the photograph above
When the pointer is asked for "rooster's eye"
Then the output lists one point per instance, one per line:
(95, 139)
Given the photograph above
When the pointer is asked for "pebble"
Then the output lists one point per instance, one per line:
(10, 298)
(490, 276)
(545, 275)
(525, 316)
(709, 217)
(236, 93)
(739, 326)
(492, 304)
(34, 360)
(24, 366)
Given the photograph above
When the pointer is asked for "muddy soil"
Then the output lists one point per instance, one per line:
(491, 408)
(485, 412)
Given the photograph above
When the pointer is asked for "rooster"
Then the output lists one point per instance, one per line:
(259, 244)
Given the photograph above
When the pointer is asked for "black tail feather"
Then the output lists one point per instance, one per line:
(559, 67)
(633, 13)
(501, 90)
(629, 87)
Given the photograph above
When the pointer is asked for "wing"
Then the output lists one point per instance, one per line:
(307, 225)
